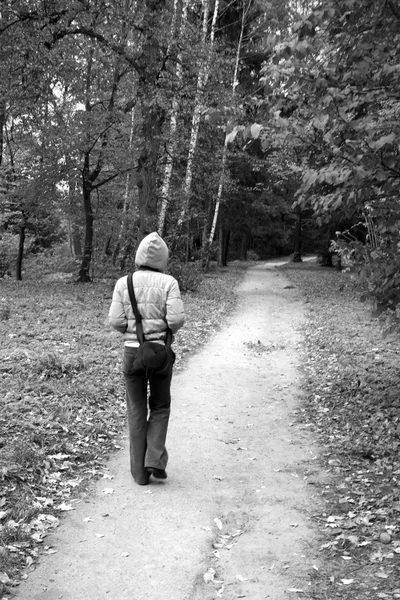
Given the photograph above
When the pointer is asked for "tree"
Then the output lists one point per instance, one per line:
(340, 71)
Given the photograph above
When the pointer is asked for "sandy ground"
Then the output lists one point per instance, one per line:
(233, 518)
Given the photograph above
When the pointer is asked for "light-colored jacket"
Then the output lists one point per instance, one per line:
(157, 295)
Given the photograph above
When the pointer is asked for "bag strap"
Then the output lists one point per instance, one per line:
(138, 317)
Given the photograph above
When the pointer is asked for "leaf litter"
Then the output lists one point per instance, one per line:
(352, 404)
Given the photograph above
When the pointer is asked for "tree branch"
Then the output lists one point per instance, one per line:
(119, 50)
(110, 178)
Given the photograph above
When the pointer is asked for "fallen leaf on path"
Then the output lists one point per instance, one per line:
(209, 575)
(237, 532)
(241, 578)
(63, 506)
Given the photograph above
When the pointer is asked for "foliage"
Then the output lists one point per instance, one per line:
(331, 87)
(188, 274)
(8, 252)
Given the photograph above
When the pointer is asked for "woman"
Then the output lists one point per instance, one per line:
(160, 306)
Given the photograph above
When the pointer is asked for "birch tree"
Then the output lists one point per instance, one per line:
(227, 136)
(171, 143)
(202, 80)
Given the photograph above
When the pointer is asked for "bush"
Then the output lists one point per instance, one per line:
(8, 252)
(188, 275)
(252, 255)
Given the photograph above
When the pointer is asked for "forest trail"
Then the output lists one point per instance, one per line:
(232, 519)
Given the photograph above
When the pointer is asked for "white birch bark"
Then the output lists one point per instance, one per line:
(224, 154)
(125, 207)
(201, 84)
(171, 145)
(128, 6)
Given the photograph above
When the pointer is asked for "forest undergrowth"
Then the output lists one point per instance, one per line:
(352, 404)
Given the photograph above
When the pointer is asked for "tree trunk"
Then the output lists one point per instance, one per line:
(153, 116)
(89, 176)
(76, 245)
(107, 246)
(119, 247)
(244, 246)
(225, 149)
(198, 106)
(153, 119)
(84, 271)
(22, 231)
(297, 240)
(224, 235)
(2, 125)
(172, 138)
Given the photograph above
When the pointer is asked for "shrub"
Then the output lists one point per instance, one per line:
(252, 255)
(188, 275)
(8, 252)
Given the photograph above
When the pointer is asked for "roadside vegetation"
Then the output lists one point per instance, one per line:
(352, 405)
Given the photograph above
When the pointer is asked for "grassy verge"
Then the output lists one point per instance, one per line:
(62, 399)
(353, 403)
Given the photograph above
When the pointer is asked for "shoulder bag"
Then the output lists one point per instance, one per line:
(152, 357)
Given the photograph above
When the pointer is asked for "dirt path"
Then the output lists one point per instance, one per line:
(234, 509)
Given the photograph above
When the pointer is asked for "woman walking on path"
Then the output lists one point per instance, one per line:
(160, 306)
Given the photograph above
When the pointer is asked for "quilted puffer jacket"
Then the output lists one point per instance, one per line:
(157, 295)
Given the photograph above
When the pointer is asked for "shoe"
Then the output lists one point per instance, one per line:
(157, 473)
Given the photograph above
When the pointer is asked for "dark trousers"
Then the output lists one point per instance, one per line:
(148, 416)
